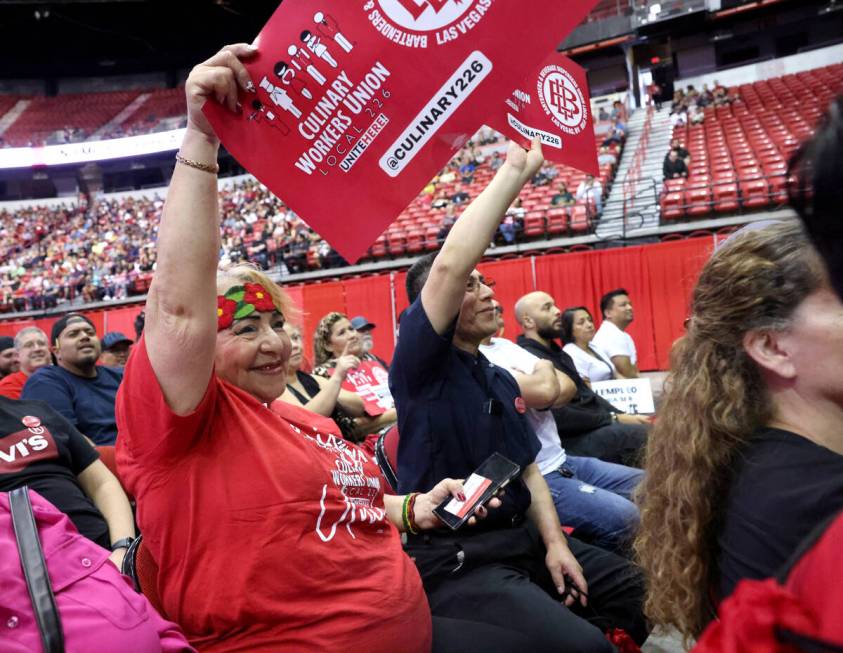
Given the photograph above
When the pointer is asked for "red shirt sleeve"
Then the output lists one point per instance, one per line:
(146, 424)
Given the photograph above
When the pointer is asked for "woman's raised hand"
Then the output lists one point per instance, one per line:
(219, 77)
(346, 362)
(525, 162)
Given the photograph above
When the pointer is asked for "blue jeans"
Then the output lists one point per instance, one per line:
(595, 501)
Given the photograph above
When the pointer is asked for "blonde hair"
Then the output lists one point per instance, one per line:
(322, 337)
(247, 273)
(715, 398)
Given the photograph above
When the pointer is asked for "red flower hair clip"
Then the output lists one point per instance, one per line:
(241, 301)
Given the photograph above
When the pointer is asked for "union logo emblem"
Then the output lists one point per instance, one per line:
(562, 99)
(420, 23)
(424, 15)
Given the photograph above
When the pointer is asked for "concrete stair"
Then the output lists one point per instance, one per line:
(13, 114)
(643, 212)
(133, 106)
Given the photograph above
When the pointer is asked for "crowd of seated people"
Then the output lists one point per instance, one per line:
(103, 249)
(737, 160)
(688, 104)
(227, 479)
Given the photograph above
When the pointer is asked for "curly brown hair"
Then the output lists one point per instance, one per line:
(322, 337)
(715, 398)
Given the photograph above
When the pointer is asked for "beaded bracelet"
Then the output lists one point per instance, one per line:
(205, 167)
(408, 522)
(411, 513)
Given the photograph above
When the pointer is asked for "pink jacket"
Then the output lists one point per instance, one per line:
(99, 609)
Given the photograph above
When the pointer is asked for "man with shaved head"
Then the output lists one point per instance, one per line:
(589, 425)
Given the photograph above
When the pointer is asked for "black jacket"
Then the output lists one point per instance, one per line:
(587, 410)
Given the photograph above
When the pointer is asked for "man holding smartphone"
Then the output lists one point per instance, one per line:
(455, 409)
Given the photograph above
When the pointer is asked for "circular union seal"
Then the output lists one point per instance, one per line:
(31, 422)
(562, 99)
(520, 405)
(424, 15)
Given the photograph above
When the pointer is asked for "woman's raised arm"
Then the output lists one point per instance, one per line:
(181, 319)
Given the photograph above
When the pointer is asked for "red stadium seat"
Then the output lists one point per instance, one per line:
(671, 205)
(395, 242)
(378, 248)
(698, 201)
(534, 224)
(725, 197)
(755, 194)
(557, 221)
(431, 238)
(580, 221)
(415, 241)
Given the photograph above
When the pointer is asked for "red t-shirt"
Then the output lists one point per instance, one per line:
(11, 386)
(269, 530)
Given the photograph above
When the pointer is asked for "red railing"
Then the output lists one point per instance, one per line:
(633, 175)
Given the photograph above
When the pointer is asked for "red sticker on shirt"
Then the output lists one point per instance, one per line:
(31, 422)
(520, 405)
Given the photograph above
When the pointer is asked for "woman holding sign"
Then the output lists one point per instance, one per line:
(335, 337)
(256, 517)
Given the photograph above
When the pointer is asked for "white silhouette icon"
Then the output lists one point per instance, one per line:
(280, 97)
(329, 27)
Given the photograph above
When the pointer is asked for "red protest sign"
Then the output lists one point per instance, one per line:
(553, 103)
(360, 103)
(371, 382)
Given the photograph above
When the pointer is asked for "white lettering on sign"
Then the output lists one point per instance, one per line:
(531, 132)
(628, 395)
(436, 112)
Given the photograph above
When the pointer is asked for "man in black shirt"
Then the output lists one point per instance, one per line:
(674, 167)
(683, 153)
(589, 425)
(41, 449)
(455, 409)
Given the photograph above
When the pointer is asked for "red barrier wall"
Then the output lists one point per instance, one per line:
(659, 279)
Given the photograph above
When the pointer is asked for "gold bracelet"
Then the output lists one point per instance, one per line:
(213, 169)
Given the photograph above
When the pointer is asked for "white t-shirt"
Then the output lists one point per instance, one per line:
(594, 369)
(512, 358)
(614, 342)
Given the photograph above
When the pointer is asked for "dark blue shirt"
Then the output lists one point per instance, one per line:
(446, 426)
(88, 404)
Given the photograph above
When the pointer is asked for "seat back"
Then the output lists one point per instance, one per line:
(140, 566)
(386, 454)
(108, 459)
(106, 453)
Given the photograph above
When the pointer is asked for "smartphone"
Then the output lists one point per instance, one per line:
(492, 475)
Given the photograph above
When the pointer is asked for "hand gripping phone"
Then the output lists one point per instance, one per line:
(492, 475)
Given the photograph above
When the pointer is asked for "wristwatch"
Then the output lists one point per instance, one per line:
(125, 543)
